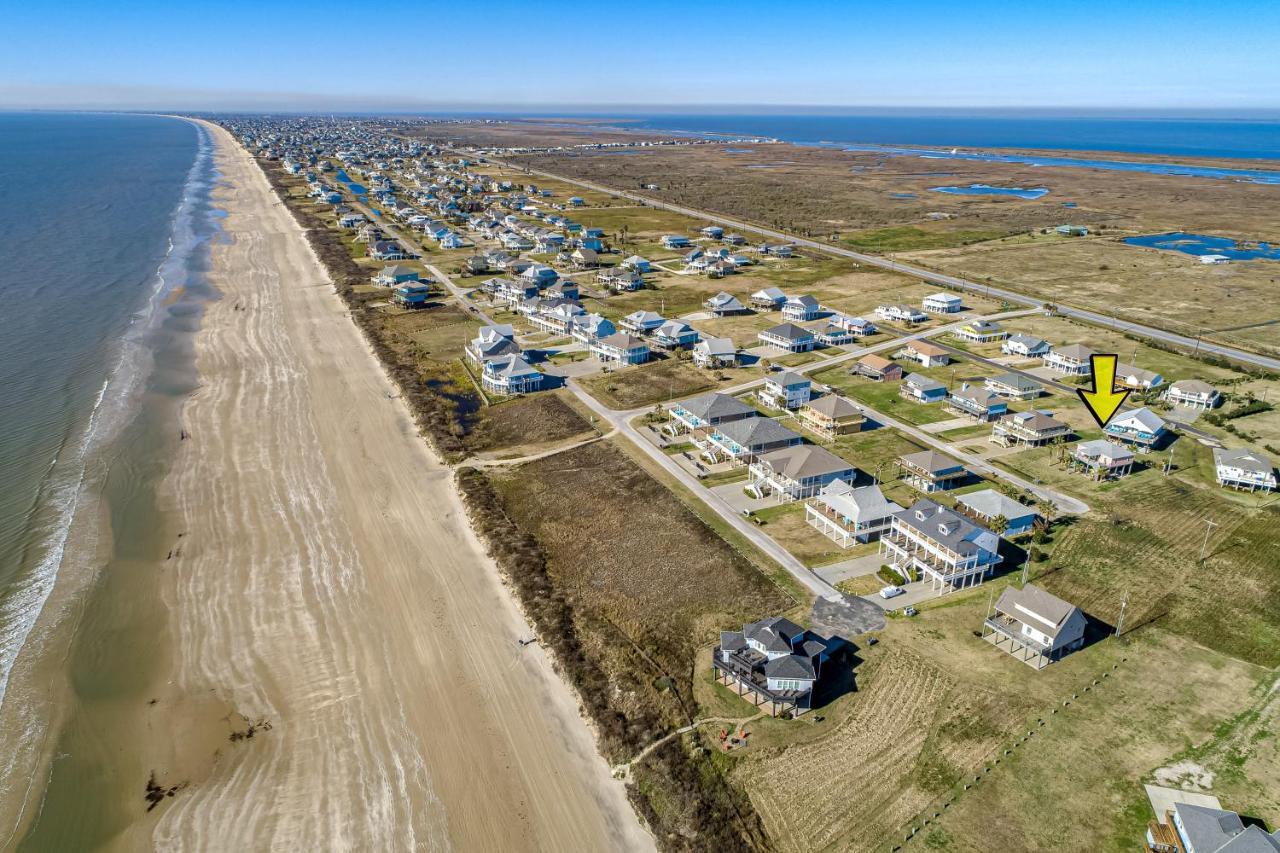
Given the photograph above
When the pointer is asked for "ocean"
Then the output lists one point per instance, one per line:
(104, 219)
(1171, 137)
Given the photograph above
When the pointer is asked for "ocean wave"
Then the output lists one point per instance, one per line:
(71, 474)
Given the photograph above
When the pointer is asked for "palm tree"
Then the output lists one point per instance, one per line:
(999, 525)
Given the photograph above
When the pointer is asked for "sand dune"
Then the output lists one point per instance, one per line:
(329, 583)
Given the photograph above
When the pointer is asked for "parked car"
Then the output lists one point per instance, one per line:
(891, 591)
(909, 611)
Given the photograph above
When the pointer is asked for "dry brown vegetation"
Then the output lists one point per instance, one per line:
(623, 584)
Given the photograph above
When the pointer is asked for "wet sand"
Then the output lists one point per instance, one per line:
(326, 583)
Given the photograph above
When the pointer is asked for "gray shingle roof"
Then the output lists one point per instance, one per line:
(713, 406)
(752, 432)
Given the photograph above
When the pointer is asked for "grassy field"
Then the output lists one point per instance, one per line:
(648, 580)
(906, 238)
(539, 419)
(655, 382)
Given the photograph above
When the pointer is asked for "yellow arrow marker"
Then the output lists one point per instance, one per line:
(1103, 401)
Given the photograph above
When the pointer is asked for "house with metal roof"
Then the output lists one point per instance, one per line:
(942, 303)
(989, 504)
(1014, 386)
(796, 473)
(941, 546)
(799, 309)
(674, 334)
(1135, 378)
(775, 664)
(1072, 359)
(620, 348)
(707, 410)
(1244, 469)
(715, 352)
(509, 374)
(1193, 394)
(768, 299)
(1192, 828)
(1102, 459)
(1142, 428)
(1027, 346)
(742, 441)
(922, 389)
(492, 341)
(849, 514)
(724, 304)
(642, 322)
(980, 332)
(789, 337)
(1034, 625)
(785, 390)
(978, 403)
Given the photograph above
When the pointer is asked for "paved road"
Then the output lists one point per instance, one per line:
(924, 274)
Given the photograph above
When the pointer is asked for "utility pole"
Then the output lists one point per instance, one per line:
(1026, 564)
(1209, 529)
(1124, 602)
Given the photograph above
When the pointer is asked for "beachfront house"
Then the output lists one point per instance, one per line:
(620, 348)
(412, 295)
(1034, 626)
(768, 299)
(1027, 346)
(981, 332)
(831, 415)
(922, 389)
(1030, 429)
(942, 303)
(800, 309)
(742, 441)
(940, 546)
(878, 369)
(509, 375)
(1244, 469)
(785, 390)
(715, 352)
(1142, 428)
(492, 341)
(848, 515)
(643, 322)
(1072, 359)
(988, 505)
(929, 471)
(1193, 394)
(789, 337)
(796, 473)
(901, 314)
(724, 304)
(707, 410)
(674, 334)
(395, 274)
(926, 354)
(775, 664)
(1014, 386)
(1102, 460)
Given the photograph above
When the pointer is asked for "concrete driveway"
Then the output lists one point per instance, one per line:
(856, 567)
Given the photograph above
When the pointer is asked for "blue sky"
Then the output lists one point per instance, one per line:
(416, 55)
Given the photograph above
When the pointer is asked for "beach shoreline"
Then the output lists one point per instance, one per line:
(337, 665)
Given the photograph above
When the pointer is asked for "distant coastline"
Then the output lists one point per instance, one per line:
(1253, 138)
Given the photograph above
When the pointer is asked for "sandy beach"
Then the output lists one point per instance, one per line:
(325, 584)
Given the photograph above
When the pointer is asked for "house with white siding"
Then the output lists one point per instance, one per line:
(1193, 394)
(1244, 469)
(848, 515)
(796, 473)
(1035, 626)
(940, 546)
(785, 390)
